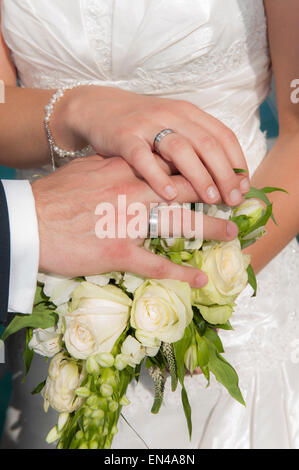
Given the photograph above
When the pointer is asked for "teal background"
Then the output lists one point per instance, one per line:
(268, 123)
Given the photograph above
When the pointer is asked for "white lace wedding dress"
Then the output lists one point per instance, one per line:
(213, 53)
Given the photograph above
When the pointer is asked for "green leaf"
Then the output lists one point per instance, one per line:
(213, 337)
(28, 353)
(261, 222)
(202, 352)
(260, 194)
(252, 279)
(39, 388)
(242, 221)
(41, 317)
(272, 189)
(40, 296)
(225, 374)
(180, 347)
(206, 372)
(199, 321)
(175, 257)
(240, 170)
(247, 243)
(224, 326)
(187, 410)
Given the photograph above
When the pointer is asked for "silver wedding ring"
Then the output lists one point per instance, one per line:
(154, 222)
(159, 137)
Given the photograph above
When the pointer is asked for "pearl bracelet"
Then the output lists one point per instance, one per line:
(54, 149)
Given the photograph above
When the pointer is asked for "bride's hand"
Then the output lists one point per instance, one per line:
(117, 122)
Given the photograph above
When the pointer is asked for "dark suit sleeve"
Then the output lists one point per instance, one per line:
(4, 255)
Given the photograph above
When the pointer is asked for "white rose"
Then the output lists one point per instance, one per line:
(162, 309)
(252, 208)
(58, 288)
(133, 351)
(47, 342)
(97, 317)
(226, 266)
(64, 378)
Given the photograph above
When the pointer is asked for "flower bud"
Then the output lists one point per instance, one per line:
(62, 420)
(121, 361)
(106, 390)
(105, 359)
(190, 358)
(252, 208)
(102, 403)
(97, 414)
(113, 406)
(114, 430)
(53, 435)
(124, 401)
(186, 256)
(105, 430)
(93, 445)
(87, 412)
(84, 445)
(92, 401)
(92, 366)
(82, 392)
(79, 435)
(108, 377)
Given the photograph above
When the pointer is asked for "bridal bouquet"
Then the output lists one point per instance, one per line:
(100, 330)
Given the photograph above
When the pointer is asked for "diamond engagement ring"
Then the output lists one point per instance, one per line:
(159, 137)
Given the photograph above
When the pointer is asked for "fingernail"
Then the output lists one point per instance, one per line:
(232, 229)
(201, 280)
(170, 192)
(245, 185)
(212, 193)
(235, 196)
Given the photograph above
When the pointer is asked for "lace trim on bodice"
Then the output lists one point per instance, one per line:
(167, 76)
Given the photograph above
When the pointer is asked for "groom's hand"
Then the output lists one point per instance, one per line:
(66, 202)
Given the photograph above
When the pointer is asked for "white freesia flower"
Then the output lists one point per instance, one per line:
(64, 378)
(133, 350)
(147, 340)
(97, 317)
(151, 352)
(131, 282)
(151, 344)
(58, 288)
(162, 309)
(219, 211)
(121, 361)
(47, 342)
(104, 279)
(226, 266)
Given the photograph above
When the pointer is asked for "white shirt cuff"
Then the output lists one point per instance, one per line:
(24, 245)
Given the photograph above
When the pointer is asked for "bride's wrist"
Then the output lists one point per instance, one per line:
(67, 121)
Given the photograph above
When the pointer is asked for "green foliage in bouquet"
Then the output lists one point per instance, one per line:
(100, 331)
